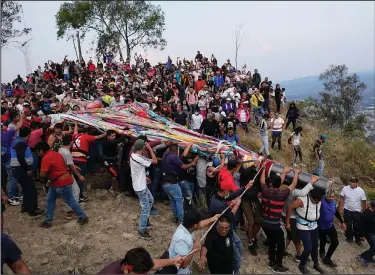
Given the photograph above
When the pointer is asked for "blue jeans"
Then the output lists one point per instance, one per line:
(13, 190)
(237, 253)
(66, 76)
(258, 111)
(35, 165)
(177, 201)
(310, 243)
(65, 192)
(146, 200)
(187, 188)
(370, 253)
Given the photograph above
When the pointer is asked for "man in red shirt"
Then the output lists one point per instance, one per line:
(225, 178)
(198, 85)
(53, 168)
(80, 152)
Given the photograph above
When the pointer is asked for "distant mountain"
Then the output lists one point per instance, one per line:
(310, 86)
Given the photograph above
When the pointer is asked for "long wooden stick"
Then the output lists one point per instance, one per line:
(212, 225)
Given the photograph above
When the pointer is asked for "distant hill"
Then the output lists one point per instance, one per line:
(310, 86)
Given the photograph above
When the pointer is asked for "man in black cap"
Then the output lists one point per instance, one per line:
(138, 163)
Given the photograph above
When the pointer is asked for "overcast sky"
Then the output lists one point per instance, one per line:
(283, 40)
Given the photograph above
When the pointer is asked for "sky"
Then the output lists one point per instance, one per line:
(283, 40)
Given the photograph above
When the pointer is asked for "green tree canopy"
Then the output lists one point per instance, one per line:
(10, 14)
(341, 97)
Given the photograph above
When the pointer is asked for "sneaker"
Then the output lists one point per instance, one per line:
(271, 264)
(303, 269)
(297, 258)
(363, 261)
(322, 255)
(154, 212)
(19, 198)
(70, 215)
(252, 250)
(329, 262)
(36, 212)
(82, 199)
(318, 268)
(46, 224)
(279, 269)
(13, 202)
(144, 235)
(82, 220)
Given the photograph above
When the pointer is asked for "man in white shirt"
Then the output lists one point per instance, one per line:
(277, 125)
(196, 74)
(352, 203)
(138, 164)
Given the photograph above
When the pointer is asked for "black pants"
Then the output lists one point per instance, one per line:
(352, 224)
(310, 245)
(332, 235)
(276, 136)
(278, 103)
(276, 243)
(370, 253)
(297, 153)
(4, 178)
(30, 197)
(293, 121)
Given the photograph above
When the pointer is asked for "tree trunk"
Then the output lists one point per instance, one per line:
(119, 50)
(128, 52)
(75, 48)
(79, 46)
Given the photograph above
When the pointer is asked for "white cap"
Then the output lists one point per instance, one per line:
(38, 93)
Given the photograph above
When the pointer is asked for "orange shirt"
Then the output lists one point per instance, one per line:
(54, 165)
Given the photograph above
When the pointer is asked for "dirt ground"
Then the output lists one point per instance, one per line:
(112, 229)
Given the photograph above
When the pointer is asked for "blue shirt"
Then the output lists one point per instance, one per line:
(327, 214)
(6, 141)
(10, 253)
(181, 244)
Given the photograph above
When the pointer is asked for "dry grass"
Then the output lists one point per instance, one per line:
(343, 157)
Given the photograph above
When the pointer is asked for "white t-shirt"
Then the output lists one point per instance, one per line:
(296, 139)
(66, 69)
(353, 198)
(196, 121)
(196, 74)
(277, 124)
(138, 166)
(60, 97)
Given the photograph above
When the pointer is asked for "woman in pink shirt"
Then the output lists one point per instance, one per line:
(243, 116)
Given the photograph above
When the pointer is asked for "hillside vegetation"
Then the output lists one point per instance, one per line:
(345, 156)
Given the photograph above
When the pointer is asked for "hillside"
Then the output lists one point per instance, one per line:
(310, 86)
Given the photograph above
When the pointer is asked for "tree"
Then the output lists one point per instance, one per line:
(135, 23)
(341, 96)
(71, 19)
(10, 14)
(238, 41)
(107, 44)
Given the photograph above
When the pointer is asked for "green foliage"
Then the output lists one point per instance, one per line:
(10, 14)
(72, 16)
(134, 23)
(341, 97)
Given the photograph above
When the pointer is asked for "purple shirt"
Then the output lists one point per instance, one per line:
(171, 163)
(6, 141)
(112, 268)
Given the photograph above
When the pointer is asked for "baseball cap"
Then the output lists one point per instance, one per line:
(354, 180)
(38, 93)
(192, 217)
(138, 145)
(232, 163)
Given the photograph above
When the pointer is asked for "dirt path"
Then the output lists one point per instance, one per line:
(69, 248)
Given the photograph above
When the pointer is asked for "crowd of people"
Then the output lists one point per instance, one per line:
(38, 146)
